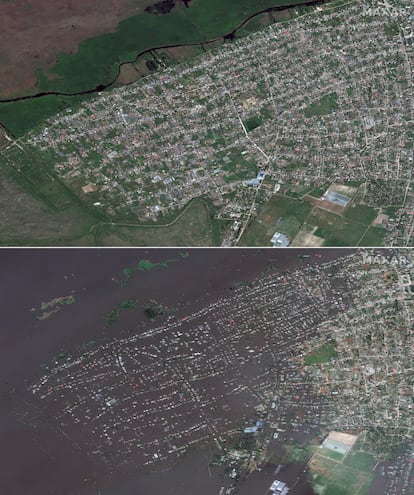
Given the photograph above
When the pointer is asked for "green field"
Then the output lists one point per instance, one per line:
(322, 107)
(295, 453)
(281, 214)
(39, 210)
(321, 355)
(374, 237)
(317, 192)
(331, 477)
(97, 59)
(360, 460)
(332, 473)
(337, 231)
(194, 227)
(361, 213)
(252, 123)
(21, 116)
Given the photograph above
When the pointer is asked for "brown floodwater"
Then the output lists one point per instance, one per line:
(38, 461)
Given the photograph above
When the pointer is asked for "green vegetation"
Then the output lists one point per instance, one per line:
(39, 209)
(335, 478)
(144, 265)
(281, 214)
(316, 449)
(336, 230)
(154, 309)
(113, 315)
(360, 460)
(60, 356)
(294, 453)
(321, 355)
(193, 226)
(331, 472)
(361, 213)
(317, 192)
(374, 237)
(299, 190)
(22, 116)
(322, 107)
(252, 123)
(97, 59)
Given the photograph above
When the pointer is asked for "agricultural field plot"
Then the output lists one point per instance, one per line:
(374, 236)
(361, 213)
(281, 214)
(335, 229)
(27, 221)
(331, 477)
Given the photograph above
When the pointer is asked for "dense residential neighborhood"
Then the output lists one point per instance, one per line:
(322, 100)
(284, 361)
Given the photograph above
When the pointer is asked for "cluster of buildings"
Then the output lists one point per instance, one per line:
(371, 379)
(193, 380)
(278, 488)
(241, 360)
(147, 149)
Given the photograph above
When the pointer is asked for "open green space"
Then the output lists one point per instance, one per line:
(40, 210)
(97, 59)
(334, 478)
(317, 192)
(321, 355)
(21, 116)
(294, 453)
(279, 214)
(252, 123)
(360, 460)
(374, 237)
(322, 107)
(361, 213)
(336, 230)
(194, 227)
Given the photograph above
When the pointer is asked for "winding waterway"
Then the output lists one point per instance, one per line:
(228, 36)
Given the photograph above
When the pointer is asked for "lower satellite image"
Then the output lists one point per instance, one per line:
(207, 372)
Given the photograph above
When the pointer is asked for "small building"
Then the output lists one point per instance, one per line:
(251, 429)
(252, 182)
(279, 240)
(255, 182)
(279, 488)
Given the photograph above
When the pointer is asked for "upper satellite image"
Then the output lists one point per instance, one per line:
(206, 123)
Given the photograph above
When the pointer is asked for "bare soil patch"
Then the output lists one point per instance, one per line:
(128, 74)
(307, 240)
(326, 205)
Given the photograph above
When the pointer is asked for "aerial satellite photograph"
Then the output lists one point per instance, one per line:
(207, 123)
(287, 372)
(207, 247)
